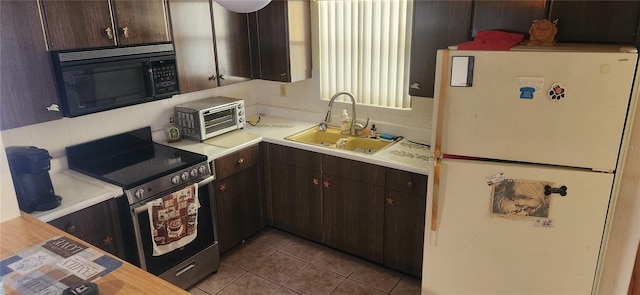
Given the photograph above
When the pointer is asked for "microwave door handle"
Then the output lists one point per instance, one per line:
(149, 70)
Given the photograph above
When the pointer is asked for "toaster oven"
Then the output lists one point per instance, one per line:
(209, 117)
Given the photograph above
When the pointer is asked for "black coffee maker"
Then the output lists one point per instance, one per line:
(29, 167)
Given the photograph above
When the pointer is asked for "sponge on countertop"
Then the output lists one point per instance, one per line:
(387, 136)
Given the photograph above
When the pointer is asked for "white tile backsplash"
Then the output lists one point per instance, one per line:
(301, 102)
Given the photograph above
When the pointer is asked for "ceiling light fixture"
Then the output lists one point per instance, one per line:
(243, 6)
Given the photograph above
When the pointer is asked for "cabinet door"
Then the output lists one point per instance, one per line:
(597, 21)
(404, 231)
(239, 207)
(26, 77)
(512, 16)
(193, 42)
(353, 216)
(231, 32)
(78, 24)
(97, 225)
(297, 201)
(140, 22)
(436, 25)
(273, 40)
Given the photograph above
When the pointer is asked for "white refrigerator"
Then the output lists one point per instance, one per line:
(526, 144)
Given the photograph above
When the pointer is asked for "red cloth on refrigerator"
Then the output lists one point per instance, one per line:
(492, 40)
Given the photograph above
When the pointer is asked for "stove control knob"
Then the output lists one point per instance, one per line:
(139, 193)
(202, 169)
(193, 172)
(184, 175)
(175, 179)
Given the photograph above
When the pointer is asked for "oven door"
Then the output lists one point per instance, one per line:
(186, 265)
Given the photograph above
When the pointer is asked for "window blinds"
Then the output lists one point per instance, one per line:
(365, 47)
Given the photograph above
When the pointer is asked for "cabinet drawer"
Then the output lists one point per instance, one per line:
(353, 170)
(236, 162)
(295, 157)
(406, 182)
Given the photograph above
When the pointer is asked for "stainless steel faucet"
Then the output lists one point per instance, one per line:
(355, 127)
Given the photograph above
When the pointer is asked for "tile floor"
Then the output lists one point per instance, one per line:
(274, 262)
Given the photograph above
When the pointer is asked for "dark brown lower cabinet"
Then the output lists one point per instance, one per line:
(239, 208)
(297, 201)
(238, 194)
(353, 207)
(98, 225)
(404, 231)
(367, 210)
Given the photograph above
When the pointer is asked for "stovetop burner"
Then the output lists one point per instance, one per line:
(132, 160)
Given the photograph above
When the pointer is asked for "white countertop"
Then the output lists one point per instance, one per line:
(402, 155)
(79, 191)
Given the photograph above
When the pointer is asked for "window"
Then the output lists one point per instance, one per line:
(364, 48)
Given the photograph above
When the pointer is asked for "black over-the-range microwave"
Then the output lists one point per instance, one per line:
(99, 79)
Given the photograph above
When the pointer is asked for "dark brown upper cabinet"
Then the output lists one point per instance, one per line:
(192, 30)
(74, 24)
(211, 43)
(436, 25)
(597, 21)
(280, 40)
(27, 90)
(510, 16)
(231, 31)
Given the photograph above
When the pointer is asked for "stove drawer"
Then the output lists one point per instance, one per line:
(236, 162)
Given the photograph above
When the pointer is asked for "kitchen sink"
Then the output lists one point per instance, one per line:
(331, 138)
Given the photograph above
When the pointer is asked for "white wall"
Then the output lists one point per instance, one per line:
(624, 229)
(8, 202)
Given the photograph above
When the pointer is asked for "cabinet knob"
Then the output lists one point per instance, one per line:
(223, 187)
(415, 85)
(109, 33)
(53, 108)
(222, 77)
(211, 78)
(410, 183)
(107, 241)
(71, 228)
(125, 32)
(390, 201)
(315, 181)
(283, 74)
(241, 160)
(326, 184)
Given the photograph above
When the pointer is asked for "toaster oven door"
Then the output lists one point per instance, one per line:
(218, 121)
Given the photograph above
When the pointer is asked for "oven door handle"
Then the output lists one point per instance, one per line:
(203, 182)
(206, 181)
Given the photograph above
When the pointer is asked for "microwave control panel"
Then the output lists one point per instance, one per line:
(165, 78)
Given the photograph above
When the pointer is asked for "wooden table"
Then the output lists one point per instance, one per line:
(26, 231)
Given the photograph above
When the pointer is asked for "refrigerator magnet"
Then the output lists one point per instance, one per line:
(497, 178)
(543, 222)
(557, 92)
(527, 92)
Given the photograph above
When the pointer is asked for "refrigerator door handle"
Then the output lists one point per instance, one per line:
(434, 202)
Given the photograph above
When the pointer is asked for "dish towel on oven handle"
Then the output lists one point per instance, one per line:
(174, 220)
